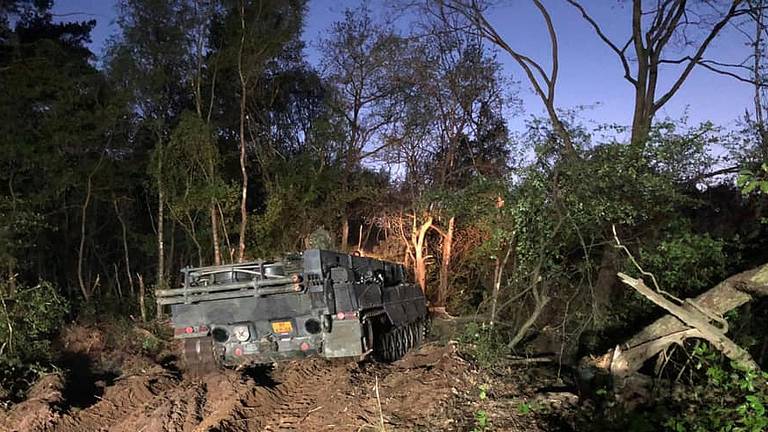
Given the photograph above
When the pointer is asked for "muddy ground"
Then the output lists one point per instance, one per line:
(432, 389)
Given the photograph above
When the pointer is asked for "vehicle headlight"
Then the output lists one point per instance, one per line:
(241, 332)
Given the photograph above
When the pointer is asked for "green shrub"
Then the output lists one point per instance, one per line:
(686, 263)
(30, 318)
(484, 343)
(734, 398)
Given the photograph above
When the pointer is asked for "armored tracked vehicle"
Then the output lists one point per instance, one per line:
(317, 303)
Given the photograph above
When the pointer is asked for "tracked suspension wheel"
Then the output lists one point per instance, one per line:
(199, 358)
(369, 336)
(392, 343)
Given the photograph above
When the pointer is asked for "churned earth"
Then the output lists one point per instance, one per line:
(431, 389)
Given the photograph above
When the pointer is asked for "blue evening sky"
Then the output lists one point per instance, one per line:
(590, 74)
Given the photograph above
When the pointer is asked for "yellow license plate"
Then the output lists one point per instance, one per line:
(282, 327)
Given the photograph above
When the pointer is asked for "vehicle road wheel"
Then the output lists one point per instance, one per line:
(391, 345)
(409, 337)
(370, 342)
(403, 338)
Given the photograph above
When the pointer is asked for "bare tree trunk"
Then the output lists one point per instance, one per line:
(160, 225)
(193, 235)
(243, 170)
(650, 43)
(540, 302)
(345, 234)
(215, 234)
(696, 318)
(606, 280)
(200, 51)
(360, 238)
(230, 251)
(117, 282)
(368, 234)
(498, 273)
(142, 308)
(757, 72)
(419, 240)
(540, 298)
(641, 127)
(641, 119)
(445, 264)
(83, 220)
(125, 245)
(160, 240)
(8, 343)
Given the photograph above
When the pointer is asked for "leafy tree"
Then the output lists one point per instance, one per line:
(253, 34)
(150, 62)
(58, 116)
(358, 62)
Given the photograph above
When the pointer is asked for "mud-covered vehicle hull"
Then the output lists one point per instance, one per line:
(320, 303)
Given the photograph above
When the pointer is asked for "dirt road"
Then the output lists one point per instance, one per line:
(415, 393)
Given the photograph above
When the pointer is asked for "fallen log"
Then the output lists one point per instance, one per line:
(692, 319)
(723, 297)
(697, 318)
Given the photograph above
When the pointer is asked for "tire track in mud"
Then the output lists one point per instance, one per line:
(304, 388)
(299, 389)
(284, 403)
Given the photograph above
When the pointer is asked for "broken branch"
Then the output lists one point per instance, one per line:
(695, 320)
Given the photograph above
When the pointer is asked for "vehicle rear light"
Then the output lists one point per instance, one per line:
(190, 330)
(304, 346)
(238, 351)
(346, 315)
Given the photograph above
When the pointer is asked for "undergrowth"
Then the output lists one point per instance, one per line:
(34, 319)
(30, 317)
(484, 343)
(717, 396)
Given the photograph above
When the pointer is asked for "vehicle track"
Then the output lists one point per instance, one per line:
(302, 389)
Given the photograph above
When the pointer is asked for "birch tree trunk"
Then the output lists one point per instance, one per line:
(160, 220)
(215, 234)
(243, 170)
